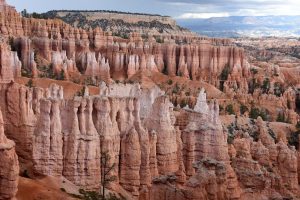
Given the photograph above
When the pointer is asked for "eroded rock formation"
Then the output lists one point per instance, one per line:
(95, 53)
(159, 152)
(10, 66)
(66, 138)
(9, 166)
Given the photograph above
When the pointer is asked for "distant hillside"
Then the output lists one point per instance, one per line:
(118, 22)
(237, 26)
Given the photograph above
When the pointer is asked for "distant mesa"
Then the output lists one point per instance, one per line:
(117, 22)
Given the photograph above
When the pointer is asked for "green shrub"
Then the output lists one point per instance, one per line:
(80, 93)
(61, 75)
(176, 89)
(93, 195)
(225, 73)
(144, 36)
(183, 103)
(25, 174)
(130, 81)
(125, 36)
(35, 56)
(30, 83)
(47, 72)
(37, 15)
(89, 81)
(224, 76)
(165, 70)
(293, 140)
(266, 85)
(264, 115)
(170, 82)
(253, 71)
(243, 109)
(26, 73)
(281, 117)
(229, 109)
(230, 136)
(255, 113)
(253, 85)
(11, 43)
(298, 125)
(254, 135)
(221, 108)
(278, 89)
(159, 40)
(121, 35)
(77, 81)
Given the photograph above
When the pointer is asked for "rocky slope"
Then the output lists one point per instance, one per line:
(168, 143)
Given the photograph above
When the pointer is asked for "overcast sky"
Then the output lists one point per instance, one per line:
(180, 9)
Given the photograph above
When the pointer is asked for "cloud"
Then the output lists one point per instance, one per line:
(221, 8)
(201, 15)
(229, 2)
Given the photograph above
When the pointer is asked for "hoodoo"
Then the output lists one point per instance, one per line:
(138, 107)
(9, 166)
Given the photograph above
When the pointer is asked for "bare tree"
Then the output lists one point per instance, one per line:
(106, 168)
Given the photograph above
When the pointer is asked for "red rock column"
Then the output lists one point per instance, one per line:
(160, 121)
(130, 162)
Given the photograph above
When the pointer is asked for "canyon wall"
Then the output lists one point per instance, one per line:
(95, 53)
